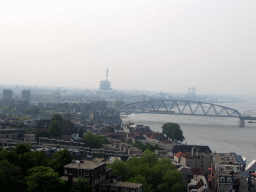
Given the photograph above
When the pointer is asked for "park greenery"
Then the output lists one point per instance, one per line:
(59, 125)
(24, 170)
(173, 131)
(143, 147)
(154, 174)
(95, 141)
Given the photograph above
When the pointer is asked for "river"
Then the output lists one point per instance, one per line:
(221, 134)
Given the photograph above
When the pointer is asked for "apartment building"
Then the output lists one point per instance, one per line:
(227, 174)
(99, 177)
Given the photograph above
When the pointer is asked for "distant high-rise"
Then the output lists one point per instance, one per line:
(7, 95)
(105, 84)
(25, 95)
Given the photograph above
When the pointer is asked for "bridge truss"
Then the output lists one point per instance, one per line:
(180, 107)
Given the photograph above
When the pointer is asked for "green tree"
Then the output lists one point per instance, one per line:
(54, 128)
(173, 131)
(81, 185)
(67, 115)
(118, 103)
(22, 119)
(62, 158)
(177, 134)
(22, 148)
(35, 110)
(141, 179)
(32, 159)
(172, 179)
(149, 157)
(143, 147)
(57, 117)
(119, 168)
(10, 177)
(41, 179)
(154, 174)
(21, 125)
(95, 141)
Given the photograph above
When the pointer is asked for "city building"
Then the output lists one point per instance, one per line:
(98, 175)
(105, 85)
(25, 95)
(227, 174)
(195, 159)
(7, 95)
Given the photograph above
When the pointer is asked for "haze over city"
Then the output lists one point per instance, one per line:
(146, 45)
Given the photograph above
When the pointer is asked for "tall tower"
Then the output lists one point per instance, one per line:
(7, 95)
(25, 95)
(105, 84)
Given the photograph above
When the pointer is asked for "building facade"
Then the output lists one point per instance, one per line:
(98, 175)
(7, 95)
(25, 95)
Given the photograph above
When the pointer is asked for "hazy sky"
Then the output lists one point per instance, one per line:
(148, 45)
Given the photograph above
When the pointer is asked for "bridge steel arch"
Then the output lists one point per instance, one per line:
(180, 107)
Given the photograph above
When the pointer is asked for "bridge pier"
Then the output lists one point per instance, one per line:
(241, 122)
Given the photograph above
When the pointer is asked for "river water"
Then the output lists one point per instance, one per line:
(221, 134)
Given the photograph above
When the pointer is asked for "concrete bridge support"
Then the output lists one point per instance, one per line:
(241, 122)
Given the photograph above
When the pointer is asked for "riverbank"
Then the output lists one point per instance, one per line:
(222, 135)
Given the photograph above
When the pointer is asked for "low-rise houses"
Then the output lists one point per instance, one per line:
(195, 159)
(12, 133)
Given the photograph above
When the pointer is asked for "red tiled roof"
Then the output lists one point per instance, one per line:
(186, 154)
(178, 155)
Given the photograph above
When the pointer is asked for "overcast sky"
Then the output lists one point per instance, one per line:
(147, 45)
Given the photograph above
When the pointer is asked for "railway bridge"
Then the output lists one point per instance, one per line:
(184, 107)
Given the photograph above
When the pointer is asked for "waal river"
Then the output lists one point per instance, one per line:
(221, 134)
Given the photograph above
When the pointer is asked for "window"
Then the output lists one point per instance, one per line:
(222, 179)
(92, 183)
(229, 180)
(134, 190)
(65, 172)
(103, 177)
(86, 173)
(113, 188)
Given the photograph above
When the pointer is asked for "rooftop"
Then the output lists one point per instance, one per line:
(120, 184)
(85, 165)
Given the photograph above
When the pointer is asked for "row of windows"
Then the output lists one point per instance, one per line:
(229, 179)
